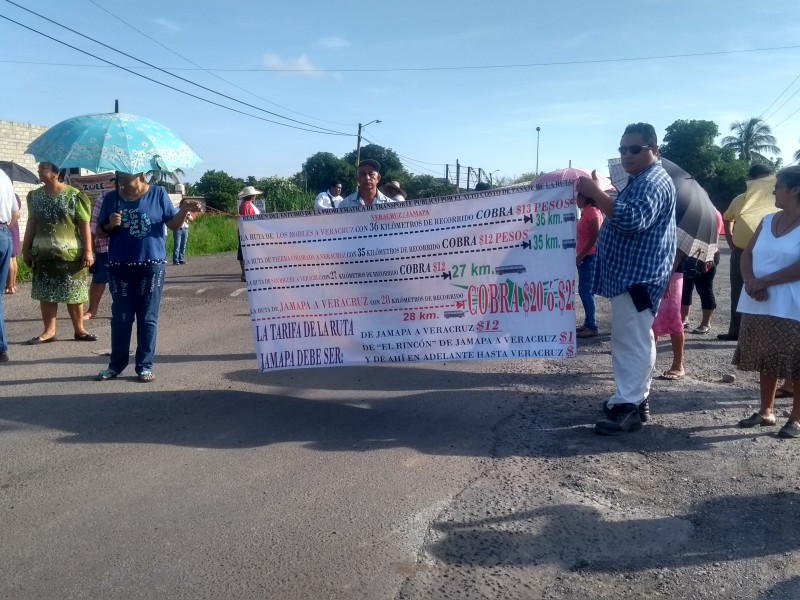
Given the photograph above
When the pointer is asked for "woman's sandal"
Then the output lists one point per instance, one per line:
(147, 376)
(105, 375)
(757, 419)
(700, 330)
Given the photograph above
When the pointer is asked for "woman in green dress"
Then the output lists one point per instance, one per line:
(58, 249)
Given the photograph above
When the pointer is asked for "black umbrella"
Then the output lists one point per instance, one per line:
(695, 215)
(18, 173)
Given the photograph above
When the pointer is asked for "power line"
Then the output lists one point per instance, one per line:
(161, 83)
(779, 97)
(124, 22)
(323, 129)
(461, 67)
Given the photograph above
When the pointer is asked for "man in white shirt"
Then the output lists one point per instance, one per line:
(330, 199)
(9, 214)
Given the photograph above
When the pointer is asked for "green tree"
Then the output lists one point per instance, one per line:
(166, 179)
(728, 179)
(391, 165)
(322, 168)
(690, 144)
(751, 140)
(282, 195)
(220, 190)
(427, 186)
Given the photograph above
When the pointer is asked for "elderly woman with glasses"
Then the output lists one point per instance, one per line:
(133, 219)
(58, 248)
(769, 337)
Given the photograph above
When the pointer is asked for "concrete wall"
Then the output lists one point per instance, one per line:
(14, 140)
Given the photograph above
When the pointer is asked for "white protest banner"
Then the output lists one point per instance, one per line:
(93, 185)
(481, 276)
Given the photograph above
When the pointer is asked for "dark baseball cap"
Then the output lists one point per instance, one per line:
(373, 163)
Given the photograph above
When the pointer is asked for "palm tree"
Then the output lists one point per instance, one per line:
(169, 179)
(752, 138)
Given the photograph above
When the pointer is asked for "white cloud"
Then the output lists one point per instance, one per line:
(168, 25)
(333, 43)
(301, 65)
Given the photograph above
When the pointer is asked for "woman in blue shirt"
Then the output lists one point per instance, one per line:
(133, 218)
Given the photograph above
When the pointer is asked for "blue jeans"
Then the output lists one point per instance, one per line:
(135, 295)
(179, 237)
(5, 260)
(585, 279)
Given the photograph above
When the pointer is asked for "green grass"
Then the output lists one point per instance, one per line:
(208, 234)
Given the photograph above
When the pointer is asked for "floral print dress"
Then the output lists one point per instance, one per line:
(57, 249)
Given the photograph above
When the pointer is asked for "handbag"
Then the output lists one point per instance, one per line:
(694, 267)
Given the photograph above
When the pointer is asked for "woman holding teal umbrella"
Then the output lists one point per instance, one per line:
(133, 218)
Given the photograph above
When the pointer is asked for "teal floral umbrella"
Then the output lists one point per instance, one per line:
(113, 142)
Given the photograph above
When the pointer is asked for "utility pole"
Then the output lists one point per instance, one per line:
(538, 129)
(458, 176)
(469, 171)
(358, 143)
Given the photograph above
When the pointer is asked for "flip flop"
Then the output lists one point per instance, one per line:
(106, 374)
(701, 330)
(85, 337)
(671, 376)
(147, 376)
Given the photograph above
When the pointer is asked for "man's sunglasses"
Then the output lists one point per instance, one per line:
(632, 149)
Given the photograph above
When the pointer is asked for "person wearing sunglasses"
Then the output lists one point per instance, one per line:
(635, 254)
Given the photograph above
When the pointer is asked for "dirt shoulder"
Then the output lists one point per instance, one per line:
(689, 507)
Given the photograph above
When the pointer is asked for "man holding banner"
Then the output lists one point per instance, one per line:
(367, 177)
(635, 250)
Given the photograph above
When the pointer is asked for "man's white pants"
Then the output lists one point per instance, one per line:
(633, 350)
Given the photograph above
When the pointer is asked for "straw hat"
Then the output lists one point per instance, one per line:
(394, 185)
(249, 191)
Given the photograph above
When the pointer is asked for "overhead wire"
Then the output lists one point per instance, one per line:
(166, 85)
(191, 62)
(407, 160)
(467, 67)
(788, 87)
(205, 88)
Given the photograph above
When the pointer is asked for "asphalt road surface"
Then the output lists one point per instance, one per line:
(445, 480)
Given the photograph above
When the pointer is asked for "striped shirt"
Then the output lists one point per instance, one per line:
(100, 244)
(637, 243)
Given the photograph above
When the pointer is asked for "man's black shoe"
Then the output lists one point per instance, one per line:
(624, 418)
(3, 357)
(728, 337)
(644, 410)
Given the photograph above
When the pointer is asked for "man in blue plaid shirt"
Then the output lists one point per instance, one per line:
(635, 254)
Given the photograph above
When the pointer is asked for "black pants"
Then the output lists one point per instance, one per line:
(736, 290)
(704, 286)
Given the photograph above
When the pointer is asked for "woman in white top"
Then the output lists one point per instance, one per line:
(769, 338)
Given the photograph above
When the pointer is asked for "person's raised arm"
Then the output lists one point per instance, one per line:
(591, 189)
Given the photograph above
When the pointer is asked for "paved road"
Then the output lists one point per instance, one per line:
(462, 480)
(217, 481)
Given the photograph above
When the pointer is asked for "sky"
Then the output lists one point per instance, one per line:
(448, 80)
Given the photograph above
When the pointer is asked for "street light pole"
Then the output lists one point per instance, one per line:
(538, 129)
(358, 144)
